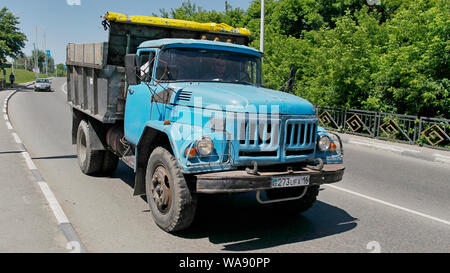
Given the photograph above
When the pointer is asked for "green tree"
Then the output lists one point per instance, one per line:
(392, 57)
(190, 11)
(61, 70)
(41, 60)
(11, 39)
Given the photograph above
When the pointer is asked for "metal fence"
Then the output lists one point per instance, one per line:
(424, 131)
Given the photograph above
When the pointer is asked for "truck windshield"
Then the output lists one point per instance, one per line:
(205, 65)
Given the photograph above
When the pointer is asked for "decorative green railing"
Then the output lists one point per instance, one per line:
(424, 131)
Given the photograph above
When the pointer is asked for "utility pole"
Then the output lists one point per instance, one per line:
(261, 41)
(46, 57)
(36, 57)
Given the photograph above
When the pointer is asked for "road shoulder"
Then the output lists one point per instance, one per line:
(26, 222)
(418, 152)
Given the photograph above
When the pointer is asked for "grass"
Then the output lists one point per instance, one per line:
(22, 76)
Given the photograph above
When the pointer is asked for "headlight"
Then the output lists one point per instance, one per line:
(324, 143)
(205, 146)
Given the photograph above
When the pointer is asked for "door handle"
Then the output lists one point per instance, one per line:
(131, 91)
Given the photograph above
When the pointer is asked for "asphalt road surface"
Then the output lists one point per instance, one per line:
(386, 202)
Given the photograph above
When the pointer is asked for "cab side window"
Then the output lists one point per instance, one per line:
(146, 60)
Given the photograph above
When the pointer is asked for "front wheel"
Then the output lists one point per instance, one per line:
(171, 202)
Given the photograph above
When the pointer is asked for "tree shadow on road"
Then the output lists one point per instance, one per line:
(241, 224)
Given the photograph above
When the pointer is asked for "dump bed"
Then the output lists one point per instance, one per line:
(93, 87)
(96, 81)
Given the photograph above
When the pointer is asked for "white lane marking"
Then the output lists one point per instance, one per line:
(61, 217)
(17, 138)
(64, 88)
(391, 205)
(54, 205)
(28, 160)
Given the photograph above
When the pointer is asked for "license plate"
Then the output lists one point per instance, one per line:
(290, 181)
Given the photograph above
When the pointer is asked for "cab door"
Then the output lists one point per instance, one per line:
(139, 98)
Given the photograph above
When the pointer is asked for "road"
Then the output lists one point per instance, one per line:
(392, 202)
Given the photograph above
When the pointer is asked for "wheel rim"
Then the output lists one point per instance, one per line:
(161, 192)
(82, 148)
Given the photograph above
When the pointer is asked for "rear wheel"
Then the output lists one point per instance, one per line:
(296, 206)
(171, 202)
(90, 161)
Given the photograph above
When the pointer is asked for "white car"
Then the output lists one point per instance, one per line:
(42, 84)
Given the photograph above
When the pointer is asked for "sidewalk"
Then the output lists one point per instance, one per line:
(415, 151)
(26, 222)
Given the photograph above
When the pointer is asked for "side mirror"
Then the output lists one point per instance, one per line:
(132, 69)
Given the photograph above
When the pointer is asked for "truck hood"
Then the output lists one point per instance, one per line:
(241, 98)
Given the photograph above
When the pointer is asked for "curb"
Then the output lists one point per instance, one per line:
(398, 150)
(73, 241)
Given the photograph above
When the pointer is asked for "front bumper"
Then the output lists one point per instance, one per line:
(42, 87)
(241, 181)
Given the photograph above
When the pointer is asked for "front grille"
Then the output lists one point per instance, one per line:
(266, 137)
(300, 134)
(262, 134)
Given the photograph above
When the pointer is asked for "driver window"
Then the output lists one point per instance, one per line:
(147, 59)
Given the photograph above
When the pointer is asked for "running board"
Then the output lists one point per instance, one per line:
(129, 160)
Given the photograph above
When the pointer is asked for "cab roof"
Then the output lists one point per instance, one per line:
(192, 43)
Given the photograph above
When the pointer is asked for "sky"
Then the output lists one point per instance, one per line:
(78, 21)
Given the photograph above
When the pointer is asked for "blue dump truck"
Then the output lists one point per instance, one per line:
(184, 106)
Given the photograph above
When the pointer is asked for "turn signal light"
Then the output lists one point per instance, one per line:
(333, 147)
(167, 122)
(190, 153)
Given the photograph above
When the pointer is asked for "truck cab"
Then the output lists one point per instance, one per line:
(195, 118)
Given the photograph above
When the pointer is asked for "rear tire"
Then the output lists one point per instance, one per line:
(296, 206)
(171, 202)
(90, 161)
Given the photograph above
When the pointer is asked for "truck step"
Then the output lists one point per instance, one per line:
(129, 160)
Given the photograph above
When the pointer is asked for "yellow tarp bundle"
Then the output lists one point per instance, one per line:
(213, 27)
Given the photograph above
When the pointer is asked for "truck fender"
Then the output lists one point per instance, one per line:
(151, 138)
(97, 135)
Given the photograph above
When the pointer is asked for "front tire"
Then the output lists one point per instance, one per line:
(171, 202)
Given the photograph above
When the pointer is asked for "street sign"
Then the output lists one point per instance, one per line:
(48, 53)
(6, 66)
